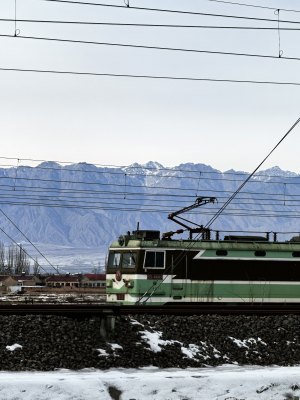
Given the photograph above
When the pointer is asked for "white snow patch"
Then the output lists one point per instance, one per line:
(115, 346)
(217, 353)
(153, 339)
(247, 343)
(192, 351)
(220, 383)
(103, 353)
(239, 343)
(134, 322)
(13, 347)
(261, 341)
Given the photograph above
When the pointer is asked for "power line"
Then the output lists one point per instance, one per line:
(250, 176)
(111, 207)
(158, 197)
(199, 174)
(125, 187)
(173, 177)
(171, 11)
(43, 189)
(127, 167)
(113, 196)
(253, 6)
(122, 185)
(26, 237)
(142, 25)
(155, 77)
(145, 47)
(61, 199)
(20, 247)
(242, 4)
(69, 203)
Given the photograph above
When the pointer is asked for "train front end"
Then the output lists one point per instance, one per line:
(133, 267)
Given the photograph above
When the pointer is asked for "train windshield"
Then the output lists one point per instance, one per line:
(128, 260)
(154, 259)
(122, 260)
(114, 260)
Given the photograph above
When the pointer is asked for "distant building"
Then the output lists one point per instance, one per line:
(26, 280)
(93, 280)
(62, 281)
(6, 281)
(14, 283)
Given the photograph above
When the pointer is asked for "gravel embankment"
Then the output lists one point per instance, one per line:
(51, 342)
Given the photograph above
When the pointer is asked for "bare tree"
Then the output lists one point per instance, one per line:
(2, 258)
(17, 261)
(21, 262)
(36, 268)
(10, 260)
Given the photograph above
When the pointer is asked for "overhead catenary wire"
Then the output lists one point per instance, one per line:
(187, 192)
(172, 11)
(117, 197)
(119, 169)
(152, 77)
(97, 203)
(250, 176)
(291, 181)
(110, 207)
(131, 201)
(113, 184)
(147, 25)
(233, 3)
(67, 164)
(20, 247)
(65, 194)
(58, 194)
(14, 184)
(27, 238)
(146, 47)
(210, 175)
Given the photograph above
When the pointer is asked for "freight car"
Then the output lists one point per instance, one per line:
(145, 267)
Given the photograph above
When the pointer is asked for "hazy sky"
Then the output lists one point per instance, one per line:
(119, 121)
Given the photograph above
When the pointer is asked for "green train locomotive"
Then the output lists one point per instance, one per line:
(145, 267)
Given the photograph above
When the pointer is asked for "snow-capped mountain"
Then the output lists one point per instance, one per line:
(82, 206)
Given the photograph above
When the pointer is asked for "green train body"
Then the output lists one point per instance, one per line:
(143, 268)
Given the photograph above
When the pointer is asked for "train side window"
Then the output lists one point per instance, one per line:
(260, 253)
(114, 260)
(128, 260)
(221, 252)
(296, 254)
(154, 259)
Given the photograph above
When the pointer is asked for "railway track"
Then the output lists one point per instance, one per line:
(78, 310)
(220, 309)
(105, 309)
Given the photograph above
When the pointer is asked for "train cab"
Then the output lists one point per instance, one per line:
(134, 263)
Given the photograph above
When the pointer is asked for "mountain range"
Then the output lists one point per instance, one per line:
(76, 208)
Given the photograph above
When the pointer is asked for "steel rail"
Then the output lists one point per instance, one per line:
(76, 310)
(105, 309)
(212, 308)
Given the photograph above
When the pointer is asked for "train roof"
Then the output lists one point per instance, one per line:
(204, 244)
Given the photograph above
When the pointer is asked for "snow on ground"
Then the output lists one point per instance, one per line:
(228, 382)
